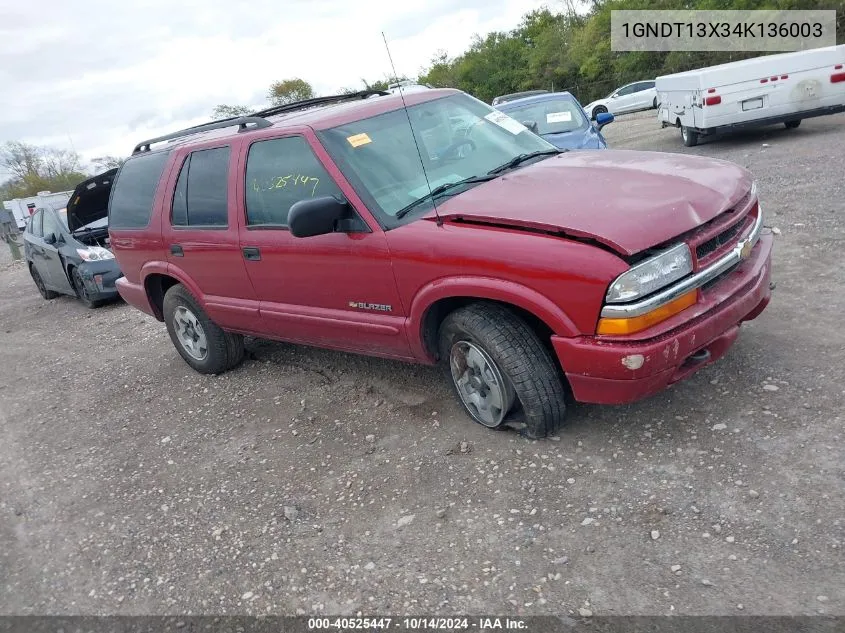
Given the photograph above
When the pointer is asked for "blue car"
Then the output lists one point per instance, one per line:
(560, 119)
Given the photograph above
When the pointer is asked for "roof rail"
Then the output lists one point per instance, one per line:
(244, 122)
(308, 103)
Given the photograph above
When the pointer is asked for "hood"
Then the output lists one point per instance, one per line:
(90, 201)
(577, 139)
(627, 200)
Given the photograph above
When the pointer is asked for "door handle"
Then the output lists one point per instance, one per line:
(251, 253)
(176, 250)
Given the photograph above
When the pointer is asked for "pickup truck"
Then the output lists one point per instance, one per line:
(372, 224)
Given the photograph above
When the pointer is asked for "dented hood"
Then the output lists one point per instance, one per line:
(627, 200)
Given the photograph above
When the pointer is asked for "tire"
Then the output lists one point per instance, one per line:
(81, 290)
(690, 137)
(212, 350)
(512, 351)
(39, 283)
(654, 104)
(791, 125)
(597, 111)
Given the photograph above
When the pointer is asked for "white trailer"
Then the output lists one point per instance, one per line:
(24, 208)
(784, 88)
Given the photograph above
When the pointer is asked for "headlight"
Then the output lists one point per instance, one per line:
(651, 275)
(95, 253)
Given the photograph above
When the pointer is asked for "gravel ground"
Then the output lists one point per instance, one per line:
(316, 482)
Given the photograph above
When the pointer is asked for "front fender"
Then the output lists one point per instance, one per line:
(482, 288)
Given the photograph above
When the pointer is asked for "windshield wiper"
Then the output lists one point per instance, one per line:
(440, 190)
(517, 160)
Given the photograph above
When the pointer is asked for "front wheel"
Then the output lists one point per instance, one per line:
(203, 344)
(690, 137)
(81, 290)
(597, 111)
(498, 366)
(654, 103)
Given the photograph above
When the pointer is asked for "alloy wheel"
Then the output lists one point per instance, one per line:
(483, 389)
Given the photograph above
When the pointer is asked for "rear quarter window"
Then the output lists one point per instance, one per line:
(131, 202)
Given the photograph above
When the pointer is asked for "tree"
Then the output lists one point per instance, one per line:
(378, 84)
(104, 163)
(290, 90)
(35, 169)
(442, 73)
(228, 111)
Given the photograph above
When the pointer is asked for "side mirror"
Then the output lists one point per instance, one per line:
(317, 216)
(602, 119)
(531, 125)
(50, 239)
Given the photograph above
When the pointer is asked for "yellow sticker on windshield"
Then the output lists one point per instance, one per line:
(359, 139)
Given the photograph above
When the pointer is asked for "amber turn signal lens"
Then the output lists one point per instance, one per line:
(638, 323)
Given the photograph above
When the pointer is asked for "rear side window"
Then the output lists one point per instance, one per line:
(279, 173)
(201, 196)
(134, 190)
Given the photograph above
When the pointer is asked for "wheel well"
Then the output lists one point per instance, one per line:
(439, 310)
(69, 272)
(156, 286)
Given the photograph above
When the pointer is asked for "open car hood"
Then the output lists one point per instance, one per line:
(90, 200)
(627, 200)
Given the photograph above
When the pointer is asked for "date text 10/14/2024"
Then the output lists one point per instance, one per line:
(416, 624)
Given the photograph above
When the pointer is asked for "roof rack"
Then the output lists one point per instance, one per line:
(244, 122)
(308, 103)
(257, 120)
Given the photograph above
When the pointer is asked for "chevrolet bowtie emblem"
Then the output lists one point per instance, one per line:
(745, 251)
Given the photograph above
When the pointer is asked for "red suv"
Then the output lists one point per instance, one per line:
(472, 242)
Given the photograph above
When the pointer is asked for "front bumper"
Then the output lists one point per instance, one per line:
(100, 278)
(618, 370)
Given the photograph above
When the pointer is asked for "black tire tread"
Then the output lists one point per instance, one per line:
(225, 349)
(88, 303)
(521, 356)
(47, 294)
(692, 138)
(234, 349)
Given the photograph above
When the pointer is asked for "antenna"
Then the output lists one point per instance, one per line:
(411, 126)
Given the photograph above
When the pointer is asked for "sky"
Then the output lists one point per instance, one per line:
(99, 76)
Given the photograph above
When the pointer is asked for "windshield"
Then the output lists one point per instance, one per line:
(553, 116)
(459, 137)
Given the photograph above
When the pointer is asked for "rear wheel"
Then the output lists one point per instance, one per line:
(501, 372)
(791, 125)
(39, 283)
(690, 137)
(597, 111)
(81, 290)
(203, 344)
